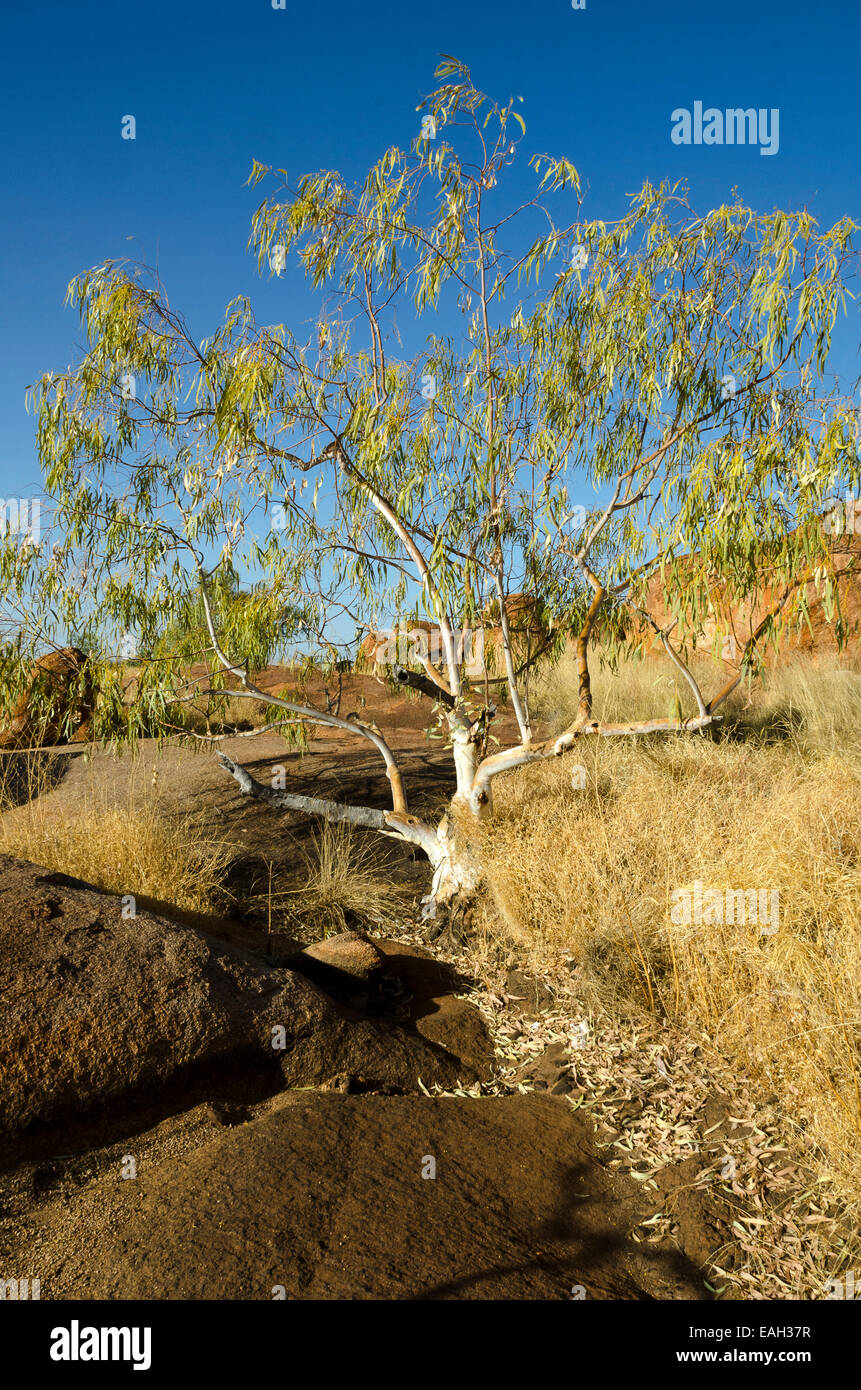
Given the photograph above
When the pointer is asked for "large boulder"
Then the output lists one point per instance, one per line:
(415, 642)
(335, 1198)
(725, 628)
(57, 705)
(100, 1004)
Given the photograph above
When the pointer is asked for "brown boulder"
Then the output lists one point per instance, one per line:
(726, 627)
(349, 953)
(98, 1006)
(59, 686)
(415, 641)
(437, 1012)
(335, 1198)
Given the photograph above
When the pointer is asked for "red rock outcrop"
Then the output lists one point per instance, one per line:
(54, 676)
(415, 639)
(728, 628)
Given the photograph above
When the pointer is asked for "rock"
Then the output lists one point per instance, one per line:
(548, 1069)
(727, 627)
(337, 1197)
(349, 952)
(98, 1006)
(61, 680)
(415, 641)
(436, 1012)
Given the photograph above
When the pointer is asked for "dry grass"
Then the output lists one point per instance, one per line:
(340, 885)
(776, 806)
(225, 714)
(633, 690)
(126, 849)
(587, 874)
(815, 704)
(174, 863)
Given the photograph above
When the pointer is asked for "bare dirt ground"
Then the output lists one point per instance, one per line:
(313, 1194)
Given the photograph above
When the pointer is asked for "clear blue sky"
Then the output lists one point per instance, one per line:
(217, 83)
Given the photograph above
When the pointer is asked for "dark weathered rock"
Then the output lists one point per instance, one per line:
(438, 1014)
(97, 1005)
(332, 1197)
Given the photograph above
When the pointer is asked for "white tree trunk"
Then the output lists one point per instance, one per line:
(456, 875)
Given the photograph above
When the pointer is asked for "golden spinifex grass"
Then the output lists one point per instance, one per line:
(593, 873)
(217, 714)
(339, 884)
(128, 847)
(172, 861)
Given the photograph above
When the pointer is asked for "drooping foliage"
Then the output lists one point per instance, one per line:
(580, 402)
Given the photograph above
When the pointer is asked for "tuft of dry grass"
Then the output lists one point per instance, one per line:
(775, 805)
(126, 849)
(633, 689)
(340, 885)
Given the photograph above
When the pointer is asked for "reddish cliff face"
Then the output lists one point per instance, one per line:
(727, 629)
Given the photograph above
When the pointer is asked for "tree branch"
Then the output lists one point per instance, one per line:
(251, 691)
(312, 805)
(398, 826)
(424, 685)
(702, 709)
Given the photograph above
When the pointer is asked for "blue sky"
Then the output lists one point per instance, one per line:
(213, 85)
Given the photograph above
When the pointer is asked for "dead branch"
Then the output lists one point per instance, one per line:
(314, 716)
(398, 826)
(424, 685)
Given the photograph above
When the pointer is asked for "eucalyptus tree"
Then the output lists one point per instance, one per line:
(581, 403)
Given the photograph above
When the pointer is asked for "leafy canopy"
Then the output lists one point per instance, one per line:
(587, 401)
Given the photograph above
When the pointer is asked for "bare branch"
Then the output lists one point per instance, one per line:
(644, 726)
(313, 806)
(677, 661)
(315, 716)
(424, 685)
(387, 511)
(520, 713)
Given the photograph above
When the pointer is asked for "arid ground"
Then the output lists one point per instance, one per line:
(467, 1116)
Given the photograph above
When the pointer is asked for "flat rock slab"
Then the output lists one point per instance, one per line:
(99, 1006)
(323, 1197)
(348, 952)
